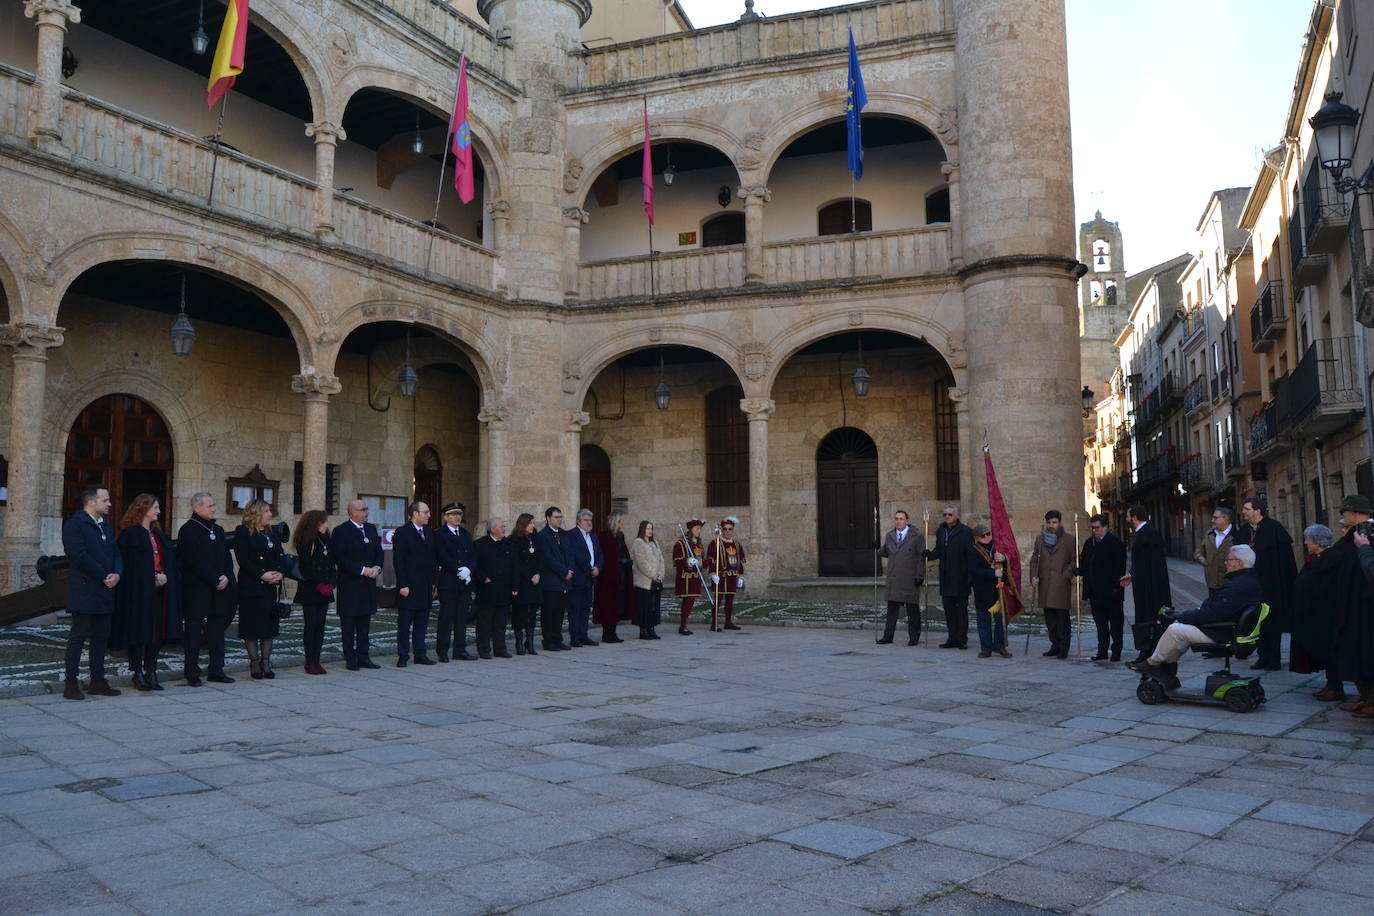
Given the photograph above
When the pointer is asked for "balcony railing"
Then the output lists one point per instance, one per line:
(1233, 457)
(1194, 323)
(1194, 474)
(1195, 395)
(898, 253)
(125, 147)
(1162, 466)
(705, 50)
(453, 29)
(1325, 212)
(1324, 388)
(1264, 430)
(1169, 391)
(1267, 318)
(1362, 268)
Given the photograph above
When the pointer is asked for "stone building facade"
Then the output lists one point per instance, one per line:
(537, 318)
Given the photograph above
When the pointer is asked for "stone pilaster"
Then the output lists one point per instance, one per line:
(760, 564)
(500, 235)
(52, 17)
(327, 136)
(316, 390)
(574, 218)
(496, 462)
(1019, 271)
(23, 523)
(754, 198)
(574, 422)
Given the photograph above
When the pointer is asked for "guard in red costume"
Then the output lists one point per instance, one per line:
(725, 565)
(688, 586)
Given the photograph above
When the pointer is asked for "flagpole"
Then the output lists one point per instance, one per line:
(443, 167)
(214, 156)
(648, 166)
(1078, 592)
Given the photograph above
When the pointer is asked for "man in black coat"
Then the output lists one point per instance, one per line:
(1277, 570)
(453, 551)
(555, 577)
(96, 566)
(584, 550)
(207, 592)
(497, 575)
(413, 558)
(358, 552)
(1102, 563)
(953, 541)
(1355, 609)
(1148, 576)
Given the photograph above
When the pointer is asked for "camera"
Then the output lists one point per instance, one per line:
(1366, 528)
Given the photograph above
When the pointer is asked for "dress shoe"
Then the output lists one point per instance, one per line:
(1146, 667)
(519, 644)
(255, 669)
(1366, 712)
(72, 691)
(136, 681)
(985, 654)
(351, 666)
(1354, 706)
(220, 678)
(1116, 656)
(424, 660)
(1050, 654)
(1327, 694)
(267, 673)
(101, 689)
(611, 639)
(443, 657)
(653, 633)
(590, 642)
(314, 668)
(486, 655)
(194, 681)
(153, 683)
(683, 631)
(1265, 666)
(1003, 652)
(885, 641)
(401, 662)
(561, 647)
(731, 626)
(950, 645)
(465, 656)
(367, 663)
(502, 654)
(913, 642)
(643, 633)
(1062, 655)
(1100, 657)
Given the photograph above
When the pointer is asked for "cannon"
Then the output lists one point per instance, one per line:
(47, 597)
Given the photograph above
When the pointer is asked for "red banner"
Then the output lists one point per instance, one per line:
(1003, 540)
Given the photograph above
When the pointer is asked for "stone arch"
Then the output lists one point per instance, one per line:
(300, 45)
(629, 138)
(13, 257)
(583, 370)
(904, 106)
(284, 295)
(425, 93)
(785, 345)
(188, 449)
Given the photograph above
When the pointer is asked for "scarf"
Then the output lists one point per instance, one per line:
(1051, 538)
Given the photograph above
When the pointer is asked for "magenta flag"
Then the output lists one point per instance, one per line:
(462, 137)
(648, 177)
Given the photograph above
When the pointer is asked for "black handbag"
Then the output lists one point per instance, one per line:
(281, 608)
(291, 567)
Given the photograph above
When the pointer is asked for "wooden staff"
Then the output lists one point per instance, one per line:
(925, 541)
(715, 603)
(1078, 597)
(877, 547)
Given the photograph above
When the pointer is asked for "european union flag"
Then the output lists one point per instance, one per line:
(853, 106)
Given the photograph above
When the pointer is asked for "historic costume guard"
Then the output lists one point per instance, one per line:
(358, 553)
(453, 551)
(688, 566)
(413, 558)
(207, 589)
(903, 548)
(725, 565)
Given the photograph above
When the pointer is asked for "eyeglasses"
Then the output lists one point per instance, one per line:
(948, 514)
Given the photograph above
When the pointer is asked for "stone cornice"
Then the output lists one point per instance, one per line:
(1051, 263)
(583, 8)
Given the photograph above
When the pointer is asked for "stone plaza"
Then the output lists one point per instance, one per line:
(777, 770)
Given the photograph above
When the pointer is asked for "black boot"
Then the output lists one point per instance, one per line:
(644, 633)
(519, 636)
(150, 678)
(529, 643)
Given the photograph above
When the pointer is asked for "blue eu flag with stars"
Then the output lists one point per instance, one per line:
(854, 104)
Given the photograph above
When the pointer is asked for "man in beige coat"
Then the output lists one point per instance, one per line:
(1216, 544)
(1051, 569)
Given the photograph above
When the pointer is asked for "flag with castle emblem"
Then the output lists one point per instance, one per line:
(462, 137)
(227, 63)
(855, 100)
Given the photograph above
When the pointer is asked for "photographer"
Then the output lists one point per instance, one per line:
(1354, 597)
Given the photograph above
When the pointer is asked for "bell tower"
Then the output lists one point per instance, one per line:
(1102, 305)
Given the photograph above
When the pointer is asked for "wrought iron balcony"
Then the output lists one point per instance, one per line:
(1233, 458)
(1325, 213)
(1324, 388)
(1195, 395)
(1194, 474)
(1308, 266)
(1264, 431)
(1170, 394)
(1268, 321)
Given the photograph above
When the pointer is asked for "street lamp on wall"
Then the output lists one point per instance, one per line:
(183, 333)
(1334, 127)
(1088, 398)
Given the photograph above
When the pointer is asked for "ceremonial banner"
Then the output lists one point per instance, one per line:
(462, 137)
(228, 61)
(648, 175)
(1003, 540)
(854, 105)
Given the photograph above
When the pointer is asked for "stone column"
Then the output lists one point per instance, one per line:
(316, 389)
(956, 248)
(575, 422)
(754, 198)
(760, 555)
(45, 119)
(972, 494)
(327, 136)
(1019, 275)
(496, 462)
(574, 218)
(500, 229)
(23, 520)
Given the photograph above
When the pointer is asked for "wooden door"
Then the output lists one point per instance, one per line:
(594, 484)
(846, 499)
(119, 442)
(429, 483)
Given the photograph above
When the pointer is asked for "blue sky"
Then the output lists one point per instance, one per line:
(1170, 100)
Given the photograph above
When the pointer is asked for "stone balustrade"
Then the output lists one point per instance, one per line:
(411, 245)
(452, 29)
(775, 37)
(916, 252)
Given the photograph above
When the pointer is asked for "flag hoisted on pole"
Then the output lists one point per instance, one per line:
(462, 137)
(1003, 540)
(648, 174)
(855, 101)
(228, 60)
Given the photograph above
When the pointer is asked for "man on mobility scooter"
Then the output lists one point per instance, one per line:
(1211, 625)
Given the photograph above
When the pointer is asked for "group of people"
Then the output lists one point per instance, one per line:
(133, 590)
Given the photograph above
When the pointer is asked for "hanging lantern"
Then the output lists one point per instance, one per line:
(417, 146)
(407, 382)
(668, 171)
(861, 378)
(662, 394)
(200, 41)
(183, 333)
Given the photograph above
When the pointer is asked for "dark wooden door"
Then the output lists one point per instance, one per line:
(119, 442)
(429, 483)
(595, 483)
(846, 499)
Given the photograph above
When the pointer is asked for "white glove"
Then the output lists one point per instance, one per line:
(715, 580)
(740, 582)
(693, 561)
(465, 574)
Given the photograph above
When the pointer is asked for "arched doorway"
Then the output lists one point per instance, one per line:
(429, 482)
(846, 499)
(595, 482)
(121, 443)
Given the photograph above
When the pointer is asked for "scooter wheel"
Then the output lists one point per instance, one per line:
(1240, 699)
(1149, 692)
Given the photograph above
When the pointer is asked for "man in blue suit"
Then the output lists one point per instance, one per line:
(453, 550)
(96, 566)
(585, 554)
(413, 557)
(555, 575)
(358, 553)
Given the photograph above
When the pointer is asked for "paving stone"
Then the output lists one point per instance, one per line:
(603, 901)
(603, 858)
(779, 901)
(1028, 884)
(1210, 885)
(329, 876)
(374, 830)
(115, 843)
(436, 855)
(868, 886)
(249, 852)
(1177, 817)
(1212, 800)
(557, 771)
(1129, 788)
(1085, 859)
(989, 839)
(848, 841)
(27, 858)
(1079, 763)
(1149, 903)
(771, 861)
(1081, 802)
(695, 887)
(686, 838)
(1142, 838)
(965, 903)
(1313, 816)
(1001, 752)
(1313, 901)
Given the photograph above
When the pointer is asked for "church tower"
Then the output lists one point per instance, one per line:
(1102, 300)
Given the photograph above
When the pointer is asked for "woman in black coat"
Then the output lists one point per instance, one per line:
(148, 597)
(260, 556)
(316, 589)
(525, 609)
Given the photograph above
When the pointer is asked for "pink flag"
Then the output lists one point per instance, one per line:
(1003, 540)
(462, 137)
(648, 177)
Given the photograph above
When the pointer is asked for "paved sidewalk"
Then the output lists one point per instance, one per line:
(776, 770)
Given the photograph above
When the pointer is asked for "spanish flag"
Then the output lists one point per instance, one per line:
(228, 62)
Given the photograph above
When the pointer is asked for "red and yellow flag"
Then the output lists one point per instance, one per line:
(228, 61)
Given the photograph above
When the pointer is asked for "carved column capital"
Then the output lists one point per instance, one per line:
(959, 396)
(575, 216)
(758, 409)
(316, 383)
(499, 209)
(52, 12)
(30, 339)
(756, 194)
(576, 420)
(494, 415)
(950, 170)
(326, 132)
